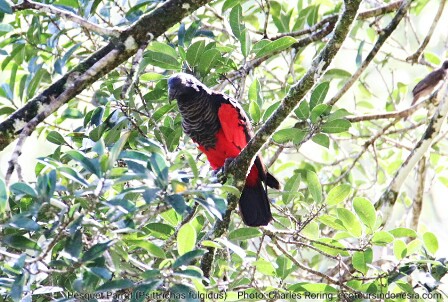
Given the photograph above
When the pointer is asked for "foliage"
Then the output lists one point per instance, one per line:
(124, 204)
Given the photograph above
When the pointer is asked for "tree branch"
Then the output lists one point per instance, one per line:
(316, 33)
(389, 197)
(418, 199)
(376, 48)
(69, 16)
(239, 167)
(100, 63)
(387, 115)
(414, 58)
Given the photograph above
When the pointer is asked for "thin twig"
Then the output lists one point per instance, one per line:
(28, 4)
(415, 57)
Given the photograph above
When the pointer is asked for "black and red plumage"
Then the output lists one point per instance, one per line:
(221, 128)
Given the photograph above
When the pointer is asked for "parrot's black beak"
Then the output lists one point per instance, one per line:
(174, 83)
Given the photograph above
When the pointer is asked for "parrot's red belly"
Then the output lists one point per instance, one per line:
(223, 150)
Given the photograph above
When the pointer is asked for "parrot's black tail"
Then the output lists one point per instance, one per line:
(254, 205)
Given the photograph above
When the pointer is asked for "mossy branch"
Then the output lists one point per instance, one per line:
(117, 51)
(239, 167)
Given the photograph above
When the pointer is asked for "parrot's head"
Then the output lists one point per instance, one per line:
(183, 87)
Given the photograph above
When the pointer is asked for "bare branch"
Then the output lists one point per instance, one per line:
(389, 197)
(316, 32)
(388, 115)
(69, 16)
(415, 57)
(418, 200)
(379, 42)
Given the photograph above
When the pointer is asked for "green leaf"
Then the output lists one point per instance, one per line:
(208, 60)
(312, 288)
(284, 266)
(338, 194)
(5, 7)
(338, 73)
(382, 238)
(314, 186)
(186, 258)
(163, 48)
(350, 222)
(96, 251)
(275, 46)
(264, 267)
(321, 139)
(303, 111)
(159, 230)
(162, 60)
(338, 114)
(160, 168)
(3, 197)
(365, 211)
(20, 242)
(194, 52)
(332, 247)
(116, 149)
(152, 249)
(5, 28)
(319, 93)
(115, 284)
(254, 111)
(319, 111)
(290, 134)
(245, 42)
(56, 138)
(336, 126)
(236, 20)
(73, 175)
(177, 202)
(359, 54)
(244, 233)
(403, 232)
(229, 4)
(73, 245)
(311, 230)
(255, 92)
(90, 165)
(186, 239)
(332, 222)
(431, 243)
(151, 77)
(17, 287)
(291, 188)
(400, 249)
(360, 260)
(22, 222)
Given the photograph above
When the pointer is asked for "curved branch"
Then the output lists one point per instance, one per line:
(239, 167)
(316, 32)
(69, 16)
(376, 48)
(389, 197)
(388, 115)
(414, 58)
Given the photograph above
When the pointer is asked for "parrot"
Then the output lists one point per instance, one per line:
(219, 126)
(429, 83)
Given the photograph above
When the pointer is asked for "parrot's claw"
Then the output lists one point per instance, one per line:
(220, 173)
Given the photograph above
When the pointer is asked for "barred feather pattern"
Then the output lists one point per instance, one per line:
(200, 119)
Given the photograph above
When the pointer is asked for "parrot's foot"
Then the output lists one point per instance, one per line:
(220, 173)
